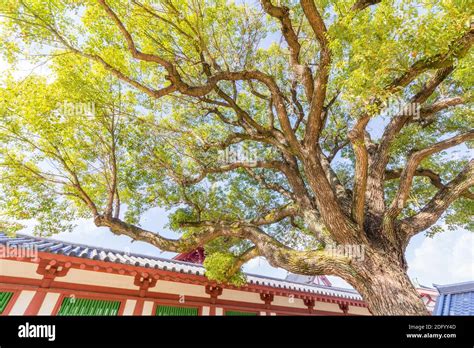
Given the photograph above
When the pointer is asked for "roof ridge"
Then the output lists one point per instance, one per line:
(101, 248)
(469, 282)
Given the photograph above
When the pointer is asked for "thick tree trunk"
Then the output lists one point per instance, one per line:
(386, 287)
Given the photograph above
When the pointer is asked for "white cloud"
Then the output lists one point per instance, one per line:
(24, 68)
(446, 258)
(254, 263)
(261, 266)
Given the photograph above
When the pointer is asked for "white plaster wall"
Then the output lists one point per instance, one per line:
(12, 268)
(129, 307)
(287, 301)
(328, 307)
(241, 296)
(358, 310)
(147, 308)
(49, 302)
(176, 288)
(22, 302)
(79, 276)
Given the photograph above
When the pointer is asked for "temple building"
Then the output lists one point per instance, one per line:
(40, 276)
(455, 299)
(428, 295)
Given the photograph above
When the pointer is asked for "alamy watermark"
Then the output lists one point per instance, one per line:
(12, 250)
(67, 108)
(351, 251)
(394, 106)
(37, 331)
(241, 153)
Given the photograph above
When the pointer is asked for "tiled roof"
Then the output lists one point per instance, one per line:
(109, 255)
(455, 299)
(455, 288)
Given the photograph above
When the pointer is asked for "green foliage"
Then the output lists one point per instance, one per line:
(218, 266)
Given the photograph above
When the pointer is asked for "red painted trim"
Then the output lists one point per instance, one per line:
(121, 308)
(36, 302)
(58, 304)
(144, 282)
(109, 267)
(119, 269)
(81, 290)
(212, 310)
(21, 281)
(138, 310)
(50, 269)
(195, 256)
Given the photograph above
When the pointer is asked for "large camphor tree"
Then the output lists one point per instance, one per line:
(276, 129)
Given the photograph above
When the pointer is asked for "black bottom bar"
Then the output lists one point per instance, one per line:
(240, 331)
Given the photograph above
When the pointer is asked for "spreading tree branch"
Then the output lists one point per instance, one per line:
(315, 115)
(408, 173)
(441, 201)
(312, 262)
(434, 178)
(302, 71)
(357, 138)
(363, 4)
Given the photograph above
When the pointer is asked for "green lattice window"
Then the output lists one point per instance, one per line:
(84, 306)
(5, 297)
(236, 313)
(176, 311)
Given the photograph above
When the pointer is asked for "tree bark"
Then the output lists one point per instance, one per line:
(384, 284)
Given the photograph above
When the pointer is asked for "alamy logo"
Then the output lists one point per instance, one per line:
(75, 109)
(10, 250)
(37, 331)
(394, 106)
